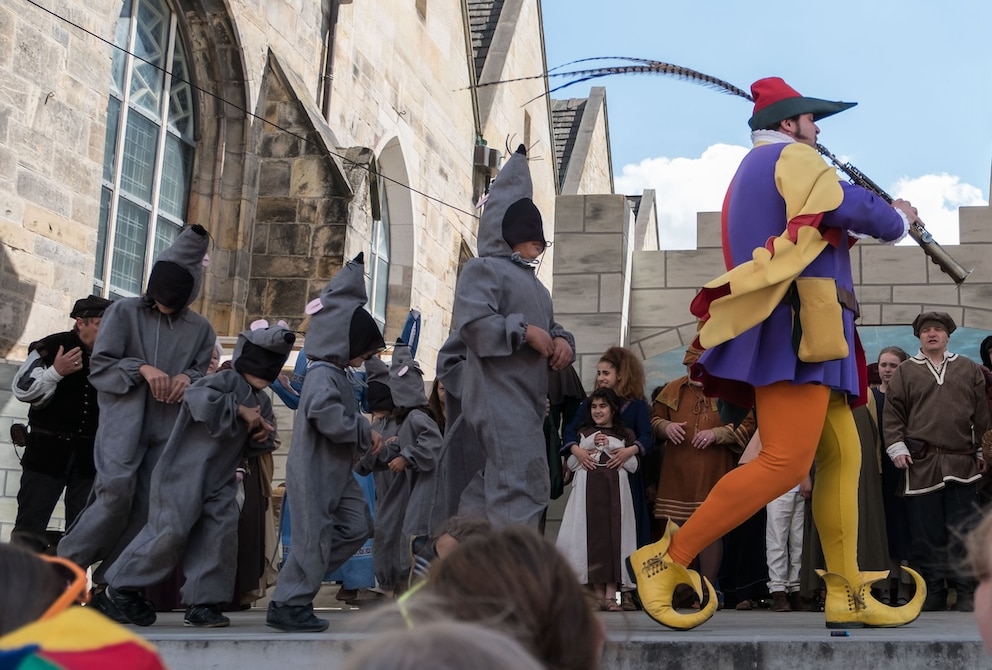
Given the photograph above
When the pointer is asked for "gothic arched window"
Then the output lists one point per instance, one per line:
(148, 155)
(377, 278)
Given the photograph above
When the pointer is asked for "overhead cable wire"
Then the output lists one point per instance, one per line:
(250, 114)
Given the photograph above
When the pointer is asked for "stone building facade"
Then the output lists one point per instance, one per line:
(298, 132)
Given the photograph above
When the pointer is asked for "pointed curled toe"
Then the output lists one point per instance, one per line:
(879, 615)
(854, 606)
(657, 576)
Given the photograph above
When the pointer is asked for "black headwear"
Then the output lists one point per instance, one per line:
(89, 307)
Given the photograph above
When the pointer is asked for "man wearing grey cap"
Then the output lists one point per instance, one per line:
(58, 453)
(934, 408)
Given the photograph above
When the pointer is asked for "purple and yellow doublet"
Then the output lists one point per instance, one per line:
(786, 215)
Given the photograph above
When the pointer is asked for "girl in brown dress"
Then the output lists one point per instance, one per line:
(598, 530)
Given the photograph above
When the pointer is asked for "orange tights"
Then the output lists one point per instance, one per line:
(798, 423)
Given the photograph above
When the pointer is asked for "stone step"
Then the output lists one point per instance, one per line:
(732, 640)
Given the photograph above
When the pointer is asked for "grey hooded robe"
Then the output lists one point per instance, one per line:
(331, 519)
(134, 427)
(402, 498)
(194, 512)
(505, 380)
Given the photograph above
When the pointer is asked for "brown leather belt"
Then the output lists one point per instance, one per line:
(847, 299)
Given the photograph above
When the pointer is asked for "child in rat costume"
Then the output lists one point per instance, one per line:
(403, 467)
(330, 516)
(503, 314)
(148, 350)
(224, 418)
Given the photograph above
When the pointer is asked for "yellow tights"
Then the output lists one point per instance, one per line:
(797, 423)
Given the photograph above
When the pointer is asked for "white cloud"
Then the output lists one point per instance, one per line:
(685, 186)
(937, 197)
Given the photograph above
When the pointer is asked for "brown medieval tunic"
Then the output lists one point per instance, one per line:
(687, 473)
(937, 412)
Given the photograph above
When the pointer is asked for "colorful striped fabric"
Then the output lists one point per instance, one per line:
(77, 639)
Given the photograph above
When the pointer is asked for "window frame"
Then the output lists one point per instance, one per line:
(112, 189)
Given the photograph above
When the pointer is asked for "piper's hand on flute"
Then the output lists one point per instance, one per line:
(903, 206)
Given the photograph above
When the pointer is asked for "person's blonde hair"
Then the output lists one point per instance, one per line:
(441, 645)
(629, 369)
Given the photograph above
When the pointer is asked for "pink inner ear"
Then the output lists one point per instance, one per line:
(259, 324)
(282, 322)
(403, 370)
(314, 306)
(206, 260)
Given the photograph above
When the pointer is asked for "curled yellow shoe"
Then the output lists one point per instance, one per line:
(879, 615)
(657, 576)
(849, 606)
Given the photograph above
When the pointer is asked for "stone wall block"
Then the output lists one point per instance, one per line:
(649, 269)
(276, 210)
(605, 213)
(309, 178)
(575, 294)
(286, 298)
(709, 234)
(900, 314)
(597, 332)
(55, 227)
(328, 242)
(289, 239)
(611, 291)
(660, 307)
(974, 257)
(873, 294)
(274, 178)
(977, 318)
(33, 187)
(588, 253)
(871, 315)
(570, 214)
(881, 263)
(283, 266)
(946, 294)
(279, 145)
(975, 226)
(692, 269)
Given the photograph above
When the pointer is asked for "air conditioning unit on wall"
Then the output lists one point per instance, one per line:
(486, 158)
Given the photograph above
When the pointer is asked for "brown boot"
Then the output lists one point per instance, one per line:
(780, 602)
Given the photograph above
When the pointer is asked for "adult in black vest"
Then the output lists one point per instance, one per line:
(62, 420)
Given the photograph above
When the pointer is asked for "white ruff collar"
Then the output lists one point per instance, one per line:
(770, 137)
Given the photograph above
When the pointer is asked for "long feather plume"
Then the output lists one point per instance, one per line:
(637, 66)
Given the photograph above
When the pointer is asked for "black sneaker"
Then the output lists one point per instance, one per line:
(422, 554)
(102, 604)
(205, 616)
(294, 619)
(132, 605)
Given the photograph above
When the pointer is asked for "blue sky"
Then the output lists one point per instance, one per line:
(920, 71)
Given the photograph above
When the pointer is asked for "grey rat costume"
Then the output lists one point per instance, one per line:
(330, 516)
(402, 498)
(134, 427)
(506, 381)
(193, 487)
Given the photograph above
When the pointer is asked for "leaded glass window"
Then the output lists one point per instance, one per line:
(148, 154)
